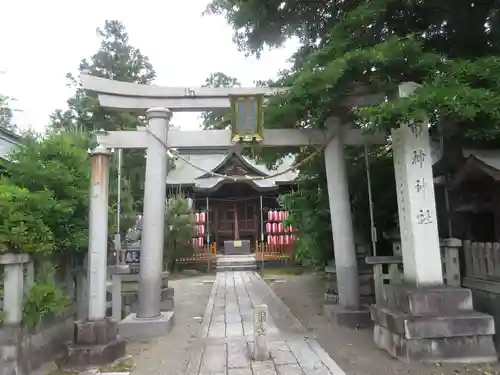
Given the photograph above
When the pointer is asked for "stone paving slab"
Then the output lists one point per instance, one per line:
(225, 343)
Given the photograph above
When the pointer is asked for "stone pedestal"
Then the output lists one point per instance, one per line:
(96, 343)
(237, 247)
(133, 328)
(433, 324)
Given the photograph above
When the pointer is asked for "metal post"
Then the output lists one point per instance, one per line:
(373, 229)
(98, 233)
(118, 241)
(208, 237)
(262, 235)
(153, 225)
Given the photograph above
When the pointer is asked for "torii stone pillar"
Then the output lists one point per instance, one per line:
(348, 311)
(150, 321)
(153, 224)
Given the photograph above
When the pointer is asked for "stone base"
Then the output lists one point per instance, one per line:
(95, 344)
(136, 329)
(237, 247)
(347, 317)
(433, 324)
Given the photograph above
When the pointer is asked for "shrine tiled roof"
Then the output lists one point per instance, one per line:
(186, 175)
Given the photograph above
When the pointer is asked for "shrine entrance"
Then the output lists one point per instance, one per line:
(162, 143)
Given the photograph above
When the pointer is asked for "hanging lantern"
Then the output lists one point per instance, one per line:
(282, 239)
(197, 218)
(269, 239)
(202, 217)
(290, 228)
(247, 123)
(201, 229)
(268, 227)
(287, 229)
(280, 227)
(274, 228)
(281, 216)
(200, 242)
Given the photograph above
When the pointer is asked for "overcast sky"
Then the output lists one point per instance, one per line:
(43, 40)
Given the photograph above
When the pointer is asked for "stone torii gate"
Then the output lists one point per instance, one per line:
(158, 102)
(405, 323)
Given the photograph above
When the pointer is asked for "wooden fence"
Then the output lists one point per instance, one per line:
(482, 260)
(265, 251)
(200, 256)
(389, 269)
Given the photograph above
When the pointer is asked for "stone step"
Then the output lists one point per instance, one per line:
(247, 267)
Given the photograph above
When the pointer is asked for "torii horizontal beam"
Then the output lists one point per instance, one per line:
(221, 139)
(138, 97)
(132, 96)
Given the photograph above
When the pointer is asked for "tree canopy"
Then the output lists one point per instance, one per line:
(451, 48)
(116, 59)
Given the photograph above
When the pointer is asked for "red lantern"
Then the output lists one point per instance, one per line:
(274, 228)
(287, 240)
(281, 215)
(286, 229)
(281, 239)
(202, 230)
(268, 227)
(269, 239)
(200, 242)
(202, 217)
(280, 228)
(269, 215)
(291, 229)
(197, 218)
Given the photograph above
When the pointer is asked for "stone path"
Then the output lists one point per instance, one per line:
(226, 338)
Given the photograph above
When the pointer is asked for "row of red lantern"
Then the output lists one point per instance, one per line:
(199, 217)
(281, 240)
(198, 242)
(200, 230)
(274, 215)
(278, 228)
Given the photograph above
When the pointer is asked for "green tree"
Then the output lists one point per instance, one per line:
(376, 45)
(221, 118)
(116, 59)
(179, 229)
(57, 164)
(6, 114)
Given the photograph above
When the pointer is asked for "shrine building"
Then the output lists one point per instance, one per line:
(236, 210)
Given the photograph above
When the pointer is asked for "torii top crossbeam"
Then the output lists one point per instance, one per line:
(131, 96)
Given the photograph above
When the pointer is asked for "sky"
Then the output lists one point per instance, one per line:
(44, 40)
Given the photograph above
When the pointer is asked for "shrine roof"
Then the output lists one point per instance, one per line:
(478, 163)
(186, 175)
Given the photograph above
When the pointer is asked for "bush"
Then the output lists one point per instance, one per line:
(179, 229)
(22, 225)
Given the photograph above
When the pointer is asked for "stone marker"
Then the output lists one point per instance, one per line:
(260, 351)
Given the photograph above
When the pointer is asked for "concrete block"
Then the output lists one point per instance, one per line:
(135, 329)
(433, 326)
(459, 349)
(440, 300)
(359, 318)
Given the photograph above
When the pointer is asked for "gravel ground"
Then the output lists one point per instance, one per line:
(170, 355)
(353, 350)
